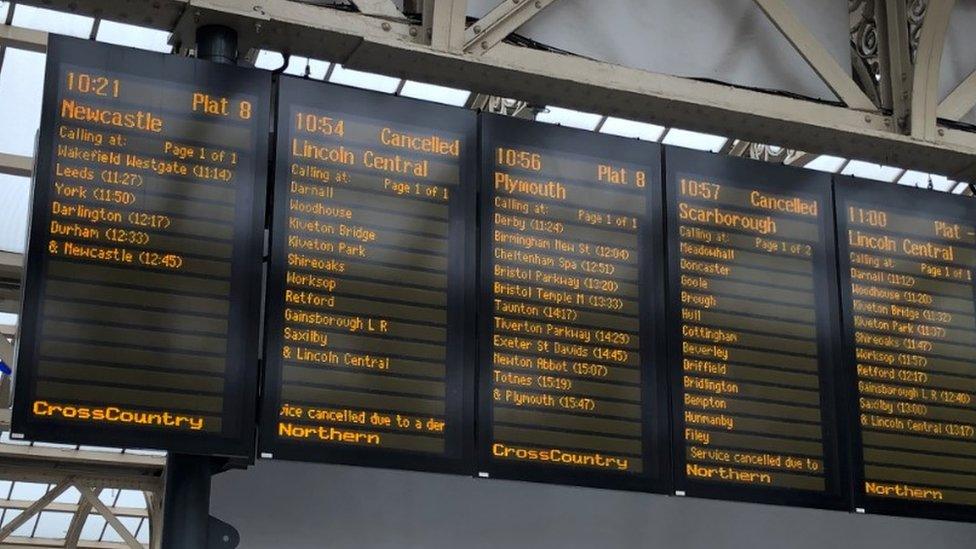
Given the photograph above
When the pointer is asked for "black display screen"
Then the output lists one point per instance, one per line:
(370, 293)
(907, 258)
(753, 332)
(572, 381)
(144, 261)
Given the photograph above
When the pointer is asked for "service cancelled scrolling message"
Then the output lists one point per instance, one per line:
(144, 180)
(365, 245)
(565, 249)
(912, 307)
(749, 399)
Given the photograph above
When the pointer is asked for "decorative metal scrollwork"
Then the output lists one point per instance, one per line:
(504, 105)
(865, 42)
(916, 14)
(773, 153)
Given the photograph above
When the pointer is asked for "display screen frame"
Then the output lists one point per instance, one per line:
(773, 178)
(461, 298)
(656, 476)
(246, 266)
(907, 199)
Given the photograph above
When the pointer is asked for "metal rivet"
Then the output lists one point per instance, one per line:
(484, 45)
(867, 118)
(538, 4)
(387, 26)
(941, 132)
(413, 31)
(477, 29)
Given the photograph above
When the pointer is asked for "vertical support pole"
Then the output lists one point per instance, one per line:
(186, 501)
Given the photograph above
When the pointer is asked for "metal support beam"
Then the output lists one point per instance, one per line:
(35, 508)
(542, 77)
(49, 465)
(89, 495)
(378, 8)
(155, 508)
(12, 164)
(11, 266)
(502, 20)
(897, 65)
(78, 520)
(39, 543)
(7, 352)
(819, 59)
(960, 101)
(928, 65)
(23, 39)
(443, 23)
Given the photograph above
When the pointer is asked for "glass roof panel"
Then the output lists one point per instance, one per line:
(694, 140)
(142, 535)
(869, 170)
(632, 128)
(25, 529)
(826, 163)
(133, 36)
(21, 85)
(55, 445)
(298, 65)
(914, 178)
(434, 93)
(131, 524)
(92, 530)
(14, 195)
(268, 60)
(108, 496)
(71, 495)
(131, 498)
(569, 117)
(58, 22)
(4, 8)
(100, 449)
(28, 491)
(139, 452)
(366, 80)
(52, 525)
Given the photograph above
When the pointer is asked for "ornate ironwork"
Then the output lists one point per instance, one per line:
(504, 105)
(865, 41)
(773, 153)
(916, 14)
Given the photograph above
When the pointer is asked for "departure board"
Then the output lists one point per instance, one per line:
(139, 321)
(572, 383)
(907, 258)
(371, 305)
(754, 327)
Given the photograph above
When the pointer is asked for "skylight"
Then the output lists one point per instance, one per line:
(694, 140)
(632, 128)
(569, 117)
